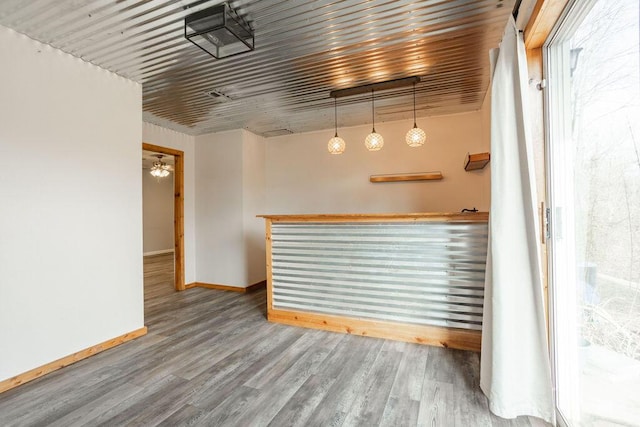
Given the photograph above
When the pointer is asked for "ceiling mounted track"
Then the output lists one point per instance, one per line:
(389, 84)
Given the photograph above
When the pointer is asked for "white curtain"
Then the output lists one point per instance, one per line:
(515, 370)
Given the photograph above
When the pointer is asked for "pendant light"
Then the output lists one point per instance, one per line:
(374, 141)
(336, 144)
(416, 136)
(160, 169)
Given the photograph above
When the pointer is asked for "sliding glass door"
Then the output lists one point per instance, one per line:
(593, 105)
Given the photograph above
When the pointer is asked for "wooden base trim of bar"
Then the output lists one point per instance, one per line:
(461, 339)
(31, 375)
(250, 288)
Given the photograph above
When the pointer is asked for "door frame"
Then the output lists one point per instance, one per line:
(555, 98)
(178, 210)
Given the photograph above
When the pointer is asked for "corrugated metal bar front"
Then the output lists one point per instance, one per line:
(429, 273)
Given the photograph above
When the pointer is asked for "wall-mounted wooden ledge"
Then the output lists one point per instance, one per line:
(383, 217)
(68, 360)
(461, 339)
(400, 177)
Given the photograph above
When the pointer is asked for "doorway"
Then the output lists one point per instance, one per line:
(178, 210)
(593, 64)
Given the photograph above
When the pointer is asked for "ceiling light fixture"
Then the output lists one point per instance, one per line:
(160, 169)
(336, 144)
(220, 31)
(374, 141)
(416, 136)
(387, 85)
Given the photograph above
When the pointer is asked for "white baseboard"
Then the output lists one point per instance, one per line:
(160, 252)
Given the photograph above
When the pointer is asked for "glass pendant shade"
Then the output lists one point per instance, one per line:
(416, 137)
(374, 141)
(336, 145)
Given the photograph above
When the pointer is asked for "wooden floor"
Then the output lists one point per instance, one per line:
(211, 359)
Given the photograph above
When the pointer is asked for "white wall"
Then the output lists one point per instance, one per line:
(240, 175)
(167, 138)
(157, 213)
(70, 209)
(302, 177)
(229, 193)
(219, 242)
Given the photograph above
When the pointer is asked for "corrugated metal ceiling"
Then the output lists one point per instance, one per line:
(304, 49)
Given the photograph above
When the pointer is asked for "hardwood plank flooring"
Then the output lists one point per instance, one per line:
(210, 358)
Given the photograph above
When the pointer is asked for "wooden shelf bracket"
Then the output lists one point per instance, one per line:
(476, 161)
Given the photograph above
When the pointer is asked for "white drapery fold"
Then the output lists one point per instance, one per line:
(515, 371)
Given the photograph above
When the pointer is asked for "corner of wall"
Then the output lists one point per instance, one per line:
(254, 193)
(485, 112)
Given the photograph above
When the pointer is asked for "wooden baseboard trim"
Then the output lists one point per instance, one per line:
(31, 375)
(215, 286)
(461, 339)
(256, 286)
(219, 287)
(161, 252)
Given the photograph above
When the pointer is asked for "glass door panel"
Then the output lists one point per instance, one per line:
(594, 187)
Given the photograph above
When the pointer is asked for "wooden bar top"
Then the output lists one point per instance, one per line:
(383, 217)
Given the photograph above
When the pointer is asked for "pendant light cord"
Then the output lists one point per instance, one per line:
(373, 117)
(335, 115)
(414, 106)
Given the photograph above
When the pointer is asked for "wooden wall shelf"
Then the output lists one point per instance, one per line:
(421, 176)
(476, 161)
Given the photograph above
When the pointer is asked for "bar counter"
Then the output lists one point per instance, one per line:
(416, 277)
